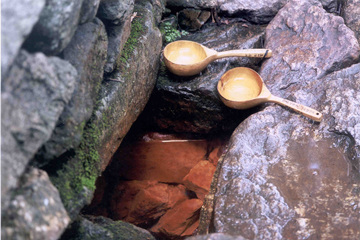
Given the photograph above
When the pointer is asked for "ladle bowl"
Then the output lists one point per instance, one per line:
(243, 88)
(187, 58)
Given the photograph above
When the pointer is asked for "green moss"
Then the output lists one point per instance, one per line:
(132, 41)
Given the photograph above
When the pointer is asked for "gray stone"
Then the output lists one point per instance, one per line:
(87, 53)
(89, 9)
(352, 16)
(118, 35)
(192, 104)
(121, 100)
(55, 28)
(215, 236)
(256, 11)
(36, 211)
(285, 177)
(32, 98)
(18, 18)
(197, 4)
(87, 228)
(115, 11)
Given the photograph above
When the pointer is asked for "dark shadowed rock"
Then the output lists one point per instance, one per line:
(89, 9)
(117, 35)
(18, 19)
(120, 102)
(115, 11)
(88, 228)
(32, 98)
(285, 177)
(352, 16)
(192, 104)
(87, 53)
(55, 28)
(192, 19)
(35, 211)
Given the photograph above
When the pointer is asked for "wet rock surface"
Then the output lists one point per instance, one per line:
(35, 211)
(192, 104)
(32, 98)
(87, 53)
(55, 28)
(278, 178)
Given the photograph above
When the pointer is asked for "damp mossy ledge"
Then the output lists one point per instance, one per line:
(77, 177)
(137, 30)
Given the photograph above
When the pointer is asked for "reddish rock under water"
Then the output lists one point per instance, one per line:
(159, 183)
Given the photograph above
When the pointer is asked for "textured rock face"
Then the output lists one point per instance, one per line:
(89, 9)
(55, 28)
(192, 3)
(135, 78)
(113, 116)
(253, 11)
(32, 99)
(104, 228)
(14, 14)
(352, 16)
(115, 11)
(35, 211)
(117, 35)
(192, 104)
(278, 178)
(87, 53)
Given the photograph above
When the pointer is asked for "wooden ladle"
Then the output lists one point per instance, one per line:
(187, 58)
(243, 88)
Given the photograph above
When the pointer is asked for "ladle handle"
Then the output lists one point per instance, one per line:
(306, 111)
(255, 53)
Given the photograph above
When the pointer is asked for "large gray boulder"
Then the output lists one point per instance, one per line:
(87, 53)
(55, 28)
(192, 104)
(32, 98)
(36, 211)
(18, 19)
(284, 176)
(122, 97)
(88, 228)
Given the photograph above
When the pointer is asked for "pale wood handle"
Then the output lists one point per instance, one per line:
(255, 53)
(306, 111)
